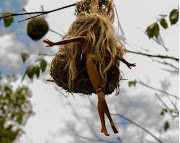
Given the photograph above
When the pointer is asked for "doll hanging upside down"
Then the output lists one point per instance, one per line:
(92, 35)
(97, 80)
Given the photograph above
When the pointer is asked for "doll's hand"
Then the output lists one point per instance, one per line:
(131, 65)
(50, 44)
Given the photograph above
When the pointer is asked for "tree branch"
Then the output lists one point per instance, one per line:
(155, 56)
(169, 64)
(139, 127)
(176, 111)
(37, 12)
(165, 105)
(99, 140)
(133, 123)
(156, 89)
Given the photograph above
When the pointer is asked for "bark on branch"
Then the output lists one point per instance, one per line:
(37, 12)
(155, 56)
(159, 141)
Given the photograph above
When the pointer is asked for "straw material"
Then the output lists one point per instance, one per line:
(82, 83)
(68, 68)
(105, 8)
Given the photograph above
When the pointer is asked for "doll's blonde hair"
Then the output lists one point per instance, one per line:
(101, 36)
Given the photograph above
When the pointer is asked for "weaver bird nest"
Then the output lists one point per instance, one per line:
(82, 83)
(68, 68)
(105, 8)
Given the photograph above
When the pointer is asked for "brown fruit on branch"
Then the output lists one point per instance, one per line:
(37, 27)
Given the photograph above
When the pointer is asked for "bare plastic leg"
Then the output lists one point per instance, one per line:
(96, 80)
(98, 84)
(101, 115)
(104, 107)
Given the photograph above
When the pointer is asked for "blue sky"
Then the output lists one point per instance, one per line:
(137, 103)
(19, 29)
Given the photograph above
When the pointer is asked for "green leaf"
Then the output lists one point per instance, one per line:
(153, 30)
(7, 20)
(165, 110)
(43, 65)
(162, 112)
(15, 109)
(166, 125)
(171, 110)
(132, 83)
(24, 56)
(119, 138)
(37, 70)
(174, 16)
(30, 71)
(41, 54)
(163, 23)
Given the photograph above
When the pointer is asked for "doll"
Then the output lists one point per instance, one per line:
(90, 55)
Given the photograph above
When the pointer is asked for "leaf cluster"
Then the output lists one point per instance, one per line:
(15, 109)
(163, 111)
(7, 20)
(32, 70)
(132, 83)
(153, 29)
(166, 126)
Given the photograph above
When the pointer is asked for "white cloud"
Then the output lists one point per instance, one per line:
(10, 51)
(57, 118)
(23, 2)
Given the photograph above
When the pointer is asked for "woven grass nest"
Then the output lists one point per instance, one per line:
(105, 7)
(97, 26)
(82, 83)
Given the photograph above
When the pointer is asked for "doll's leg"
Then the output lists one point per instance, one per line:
(101, 115)
(97, 82)
(103, 105)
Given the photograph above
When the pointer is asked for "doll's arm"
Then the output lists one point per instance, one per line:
(66, 41)
(125, 62)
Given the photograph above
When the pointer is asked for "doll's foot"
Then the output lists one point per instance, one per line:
(105, 132)
(114, 128)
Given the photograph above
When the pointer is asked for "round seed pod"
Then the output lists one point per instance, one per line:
(37, 27)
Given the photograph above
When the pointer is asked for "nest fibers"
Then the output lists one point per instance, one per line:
(68, 68)
(105, 8)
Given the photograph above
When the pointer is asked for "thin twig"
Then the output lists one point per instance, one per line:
(92, 131)
(119, 25)
(176, 112)
(162, 101)
(134, 45)
(172, 103)
(38, 12)
(56, 32)
(155, 40)
(30, 17)
(100, 140)
(159, 90)
(169, 64)
(139, 127)
(134, 124)
(155, 56)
